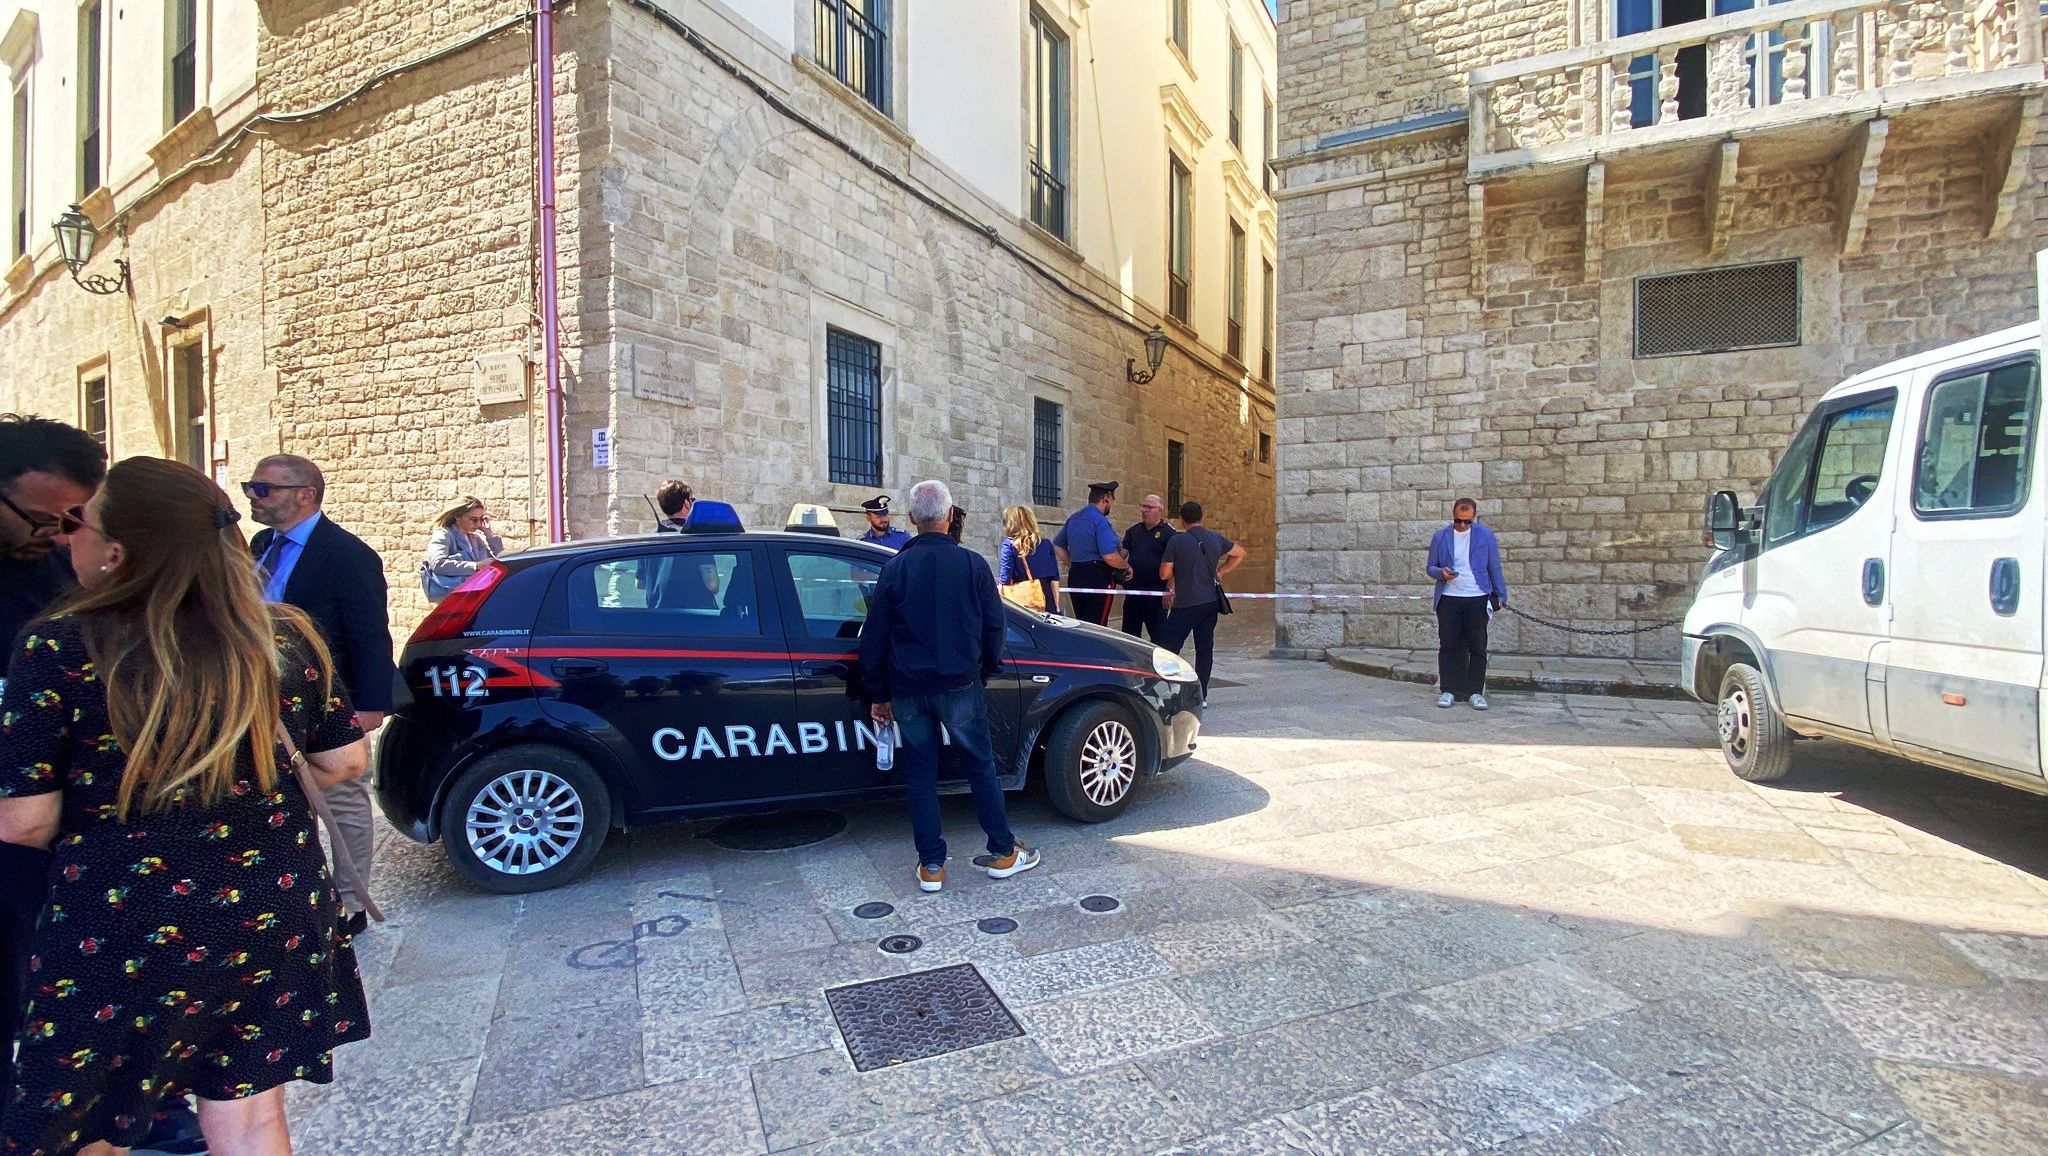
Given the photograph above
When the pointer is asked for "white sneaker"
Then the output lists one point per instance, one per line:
(1478, 702)
(1446, 700)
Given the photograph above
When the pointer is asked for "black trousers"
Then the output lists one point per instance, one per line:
(1199, 621)
(1091, 607)
(1461, 645)
(1145, 615)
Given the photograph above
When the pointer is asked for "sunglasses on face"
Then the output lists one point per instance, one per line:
(1461, 521)
(264, 489)
(40, 525)
(73, 520)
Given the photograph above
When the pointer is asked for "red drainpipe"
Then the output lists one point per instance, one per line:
(550, 314)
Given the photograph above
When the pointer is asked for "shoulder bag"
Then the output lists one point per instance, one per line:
(1030, 593)
(344, 863)
(1222, 595)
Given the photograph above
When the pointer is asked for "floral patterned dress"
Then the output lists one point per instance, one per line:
(190, 950)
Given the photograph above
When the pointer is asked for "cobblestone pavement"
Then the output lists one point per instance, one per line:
(1354, 923)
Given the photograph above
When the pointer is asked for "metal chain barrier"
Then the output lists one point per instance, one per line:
(1654, 626)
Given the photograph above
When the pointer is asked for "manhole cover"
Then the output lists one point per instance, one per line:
(777, 832)
(901, 944)
(918, 1016)
(1099, 903)
(872, 910)
(1000, 925)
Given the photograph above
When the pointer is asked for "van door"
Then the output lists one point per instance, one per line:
(1966, 653)
(1816, 592)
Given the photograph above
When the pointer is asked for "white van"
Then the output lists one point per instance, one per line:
(1889, 590)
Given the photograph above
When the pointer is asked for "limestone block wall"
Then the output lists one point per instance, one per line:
(196, 256)
(737, 237)
(400, 246)
(1404, 384)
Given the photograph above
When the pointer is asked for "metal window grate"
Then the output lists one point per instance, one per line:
(1176, 473)
(1718, 310)
(853, 45)
(853, 408)
(1048, 201)
(1045, 452)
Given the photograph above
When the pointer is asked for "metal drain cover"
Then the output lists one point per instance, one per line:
(778, 832)
(1099, 903)
(872, 911)
(900, 944)
(918, 1016)
(1000, 925)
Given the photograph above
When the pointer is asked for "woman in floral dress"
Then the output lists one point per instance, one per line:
(189, 943)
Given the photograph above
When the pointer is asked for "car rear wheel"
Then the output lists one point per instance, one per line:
(1752, 733)
(526, 818)
(1092, 762)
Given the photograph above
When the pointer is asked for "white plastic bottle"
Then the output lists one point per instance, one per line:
(885, 746)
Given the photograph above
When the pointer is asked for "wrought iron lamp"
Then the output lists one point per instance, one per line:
(1155, 352)
(76, 236)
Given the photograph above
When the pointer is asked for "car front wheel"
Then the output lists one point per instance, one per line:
(526, 818)
(1753, 736)
(1092, 762)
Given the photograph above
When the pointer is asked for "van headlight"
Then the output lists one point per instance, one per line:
(1167, 665)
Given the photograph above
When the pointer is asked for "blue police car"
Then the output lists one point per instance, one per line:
(566, 691)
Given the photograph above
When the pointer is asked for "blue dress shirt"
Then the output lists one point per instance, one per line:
(287, 557)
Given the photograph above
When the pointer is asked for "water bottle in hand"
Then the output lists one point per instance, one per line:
(885, 746)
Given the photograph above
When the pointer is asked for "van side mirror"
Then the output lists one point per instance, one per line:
(1724, 520)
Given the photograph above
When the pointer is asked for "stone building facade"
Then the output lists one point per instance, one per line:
(345, 237)
(1481, 208)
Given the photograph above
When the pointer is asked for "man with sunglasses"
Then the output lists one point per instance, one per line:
(1464, 558)
(308, 561)
(46, 467)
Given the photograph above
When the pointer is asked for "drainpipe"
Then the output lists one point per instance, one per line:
(550, 313)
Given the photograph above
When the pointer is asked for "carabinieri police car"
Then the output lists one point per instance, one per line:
(565, 691)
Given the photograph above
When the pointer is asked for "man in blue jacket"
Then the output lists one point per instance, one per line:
(933, 637)
(1464, 558)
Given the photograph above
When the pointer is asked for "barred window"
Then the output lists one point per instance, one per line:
(853, 45)
(1046, 420)
(1718, 310)
(1046, 155)
(853, 408)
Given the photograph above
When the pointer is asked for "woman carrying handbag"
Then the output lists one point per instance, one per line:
(1027, 571)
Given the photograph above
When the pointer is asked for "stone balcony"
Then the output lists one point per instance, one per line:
(1791, 83)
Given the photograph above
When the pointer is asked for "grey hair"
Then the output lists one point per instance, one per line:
(931, 503)
(300, 471)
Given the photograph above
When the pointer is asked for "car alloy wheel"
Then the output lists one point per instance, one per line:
(524, 821)
(1109, 763)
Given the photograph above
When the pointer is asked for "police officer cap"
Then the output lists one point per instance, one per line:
(1097, 489)
(879, 504)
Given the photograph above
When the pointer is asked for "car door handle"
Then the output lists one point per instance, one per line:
(2005, 587)
(579, 667)
(827, 669)
(1873, 581)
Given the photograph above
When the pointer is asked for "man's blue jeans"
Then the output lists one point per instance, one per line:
(964, 713)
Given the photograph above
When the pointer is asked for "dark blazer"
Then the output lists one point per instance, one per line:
(339, 581)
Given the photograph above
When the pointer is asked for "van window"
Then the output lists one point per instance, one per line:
(1832, 468)
(1977, 443)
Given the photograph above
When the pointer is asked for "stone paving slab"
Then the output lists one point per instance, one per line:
(1354, 924)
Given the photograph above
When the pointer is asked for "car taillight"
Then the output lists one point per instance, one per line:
(452, 615)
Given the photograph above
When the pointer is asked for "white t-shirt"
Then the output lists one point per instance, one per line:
(1464, 585)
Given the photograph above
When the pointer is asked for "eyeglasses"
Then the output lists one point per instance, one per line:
(40, 525)
(263, 489)
(73, 520)
(1461, 521)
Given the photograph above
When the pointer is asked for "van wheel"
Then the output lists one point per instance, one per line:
(1092, 761)
(526, 818)
(1753, 734)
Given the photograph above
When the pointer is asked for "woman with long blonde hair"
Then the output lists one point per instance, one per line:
(461, 544)
(189, 940)
(1027, 558)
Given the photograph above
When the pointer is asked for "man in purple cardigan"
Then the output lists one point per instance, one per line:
(1464, 558)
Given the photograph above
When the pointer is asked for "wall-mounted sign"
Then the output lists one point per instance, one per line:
(601, 448)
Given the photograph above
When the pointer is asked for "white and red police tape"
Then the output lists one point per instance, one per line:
(1234, 595)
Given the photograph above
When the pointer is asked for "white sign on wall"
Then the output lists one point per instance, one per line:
(601, 448)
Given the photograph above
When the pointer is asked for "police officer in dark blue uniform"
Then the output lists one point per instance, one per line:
(1093, 553)
(879, 530)
(1144, 546)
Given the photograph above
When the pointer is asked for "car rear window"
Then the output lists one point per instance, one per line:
(514, 603)
(702, 593)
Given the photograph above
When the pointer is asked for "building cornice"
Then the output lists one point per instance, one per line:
(1182, 121)
(18, 47)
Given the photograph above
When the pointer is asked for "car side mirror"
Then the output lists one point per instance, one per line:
(1724, 520)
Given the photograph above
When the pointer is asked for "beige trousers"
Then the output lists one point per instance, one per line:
(356, 815)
